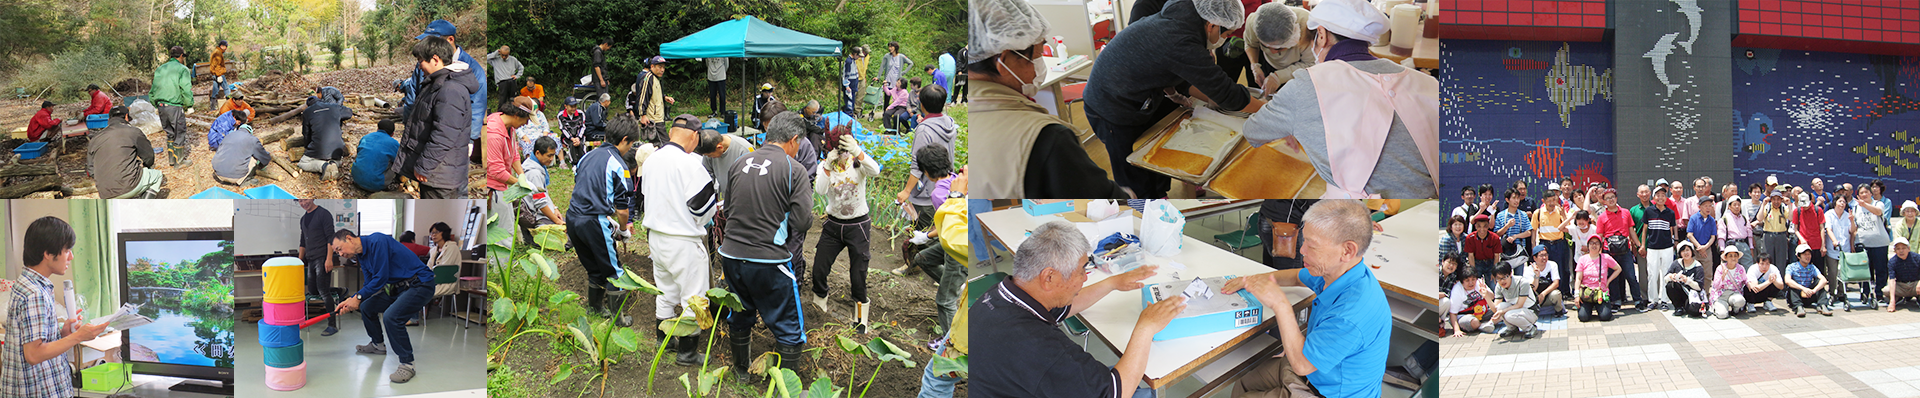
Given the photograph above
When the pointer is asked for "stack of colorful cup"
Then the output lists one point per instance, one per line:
(286, 307)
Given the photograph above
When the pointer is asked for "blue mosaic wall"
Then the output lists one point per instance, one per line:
(1524, 110)
(1845, 117)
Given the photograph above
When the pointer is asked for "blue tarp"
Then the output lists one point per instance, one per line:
(749, 37)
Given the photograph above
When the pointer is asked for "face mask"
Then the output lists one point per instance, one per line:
(1028, 89)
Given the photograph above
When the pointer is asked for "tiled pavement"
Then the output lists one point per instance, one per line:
(1654, 355)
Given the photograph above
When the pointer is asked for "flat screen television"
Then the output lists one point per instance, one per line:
(183, 280)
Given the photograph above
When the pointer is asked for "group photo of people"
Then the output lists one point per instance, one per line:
(1207, 99)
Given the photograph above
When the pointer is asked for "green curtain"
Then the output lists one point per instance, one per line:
(96, 275)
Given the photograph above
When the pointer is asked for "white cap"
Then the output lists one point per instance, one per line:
(1553, 186)
(1908, 205)
(1226, 13)
(1771, 180)
(1802, 249)
(1730, 249)
(994, 26)
(1900, 240)
(1354, 19)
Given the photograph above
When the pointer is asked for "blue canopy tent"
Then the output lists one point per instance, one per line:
(749, 37)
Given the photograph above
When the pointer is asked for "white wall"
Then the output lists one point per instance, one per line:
(422, 213)
(20, 213)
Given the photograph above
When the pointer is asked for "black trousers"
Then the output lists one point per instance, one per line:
(1560, 253)
(717, 93)
(1677, 293)
(1626, 280)
(1762, 296)
(320, 283)
(853, 236)
(1590, 311)
(1118, 139)
(593, 240)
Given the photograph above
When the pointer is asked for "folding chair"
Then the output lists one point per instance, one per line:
(1242, 239)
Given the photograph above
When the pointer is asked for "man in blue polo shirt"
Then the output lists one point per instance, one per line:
(1343, 353)
(396, 280)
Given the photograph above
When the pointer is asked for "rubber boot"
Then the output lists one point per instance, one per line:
(596, 299)
(689, 349)
(789, 357)
(618, 303)
(739, 340)
(860, 316)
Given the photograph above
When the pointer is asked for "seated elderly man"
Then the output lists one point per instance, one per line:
(1343, 353)
(1025, 355)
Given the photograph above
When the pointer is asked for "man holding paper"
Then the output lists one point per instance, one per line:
(1025, 355)
(39, 335)
(1344, 351)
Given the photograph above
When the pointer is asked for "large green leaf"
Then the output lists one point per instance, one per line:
(886, 351)
(582, 330)
(631, 281)
(626, 339)
(851, 347)
(726, 299)
(545, 267)
(498, 230)
(563, 296)
(566, 370)
(499, 253)
(789, 383)
(688, 384)
(504, 311)
(823, 388)
(711, 378)
(516, 191)
(682, 326)
(552, 237)
(942, 365)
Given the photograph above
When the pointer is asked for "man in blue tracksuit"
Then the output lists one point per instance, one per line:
(397, 280)
(597, 215)
(769, 197)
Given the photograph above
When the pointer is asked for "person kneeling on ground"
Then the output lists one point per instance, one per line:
(239, 155)
(1904, 268)
(120, 159)
(1728, 281)
(43, 126)
(1809, 287)
(1513, 304)
(1545, 275)
(1764, 284)
(1596, 271)
(536, 209)
(398, 286)
(321, 124)
(1686, 283)
(376, 153)
(1025, 355)
(1468, 304)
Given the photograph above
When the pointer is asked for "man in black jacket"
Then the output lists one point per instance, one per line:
(769, 196)
(320, 123)
(434, 151)
(1164, 55)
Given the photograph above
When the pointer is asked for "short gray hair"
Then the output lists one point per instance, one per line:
(1341, 221)
(1275, 25)
(1056, 245)
(785, 126)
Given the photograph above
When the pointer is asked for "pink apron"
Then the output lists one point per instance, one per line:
(1357, 109)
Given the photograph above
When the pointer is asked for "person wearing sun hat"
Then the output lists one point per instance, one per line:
(1729, 279)
(1907, 223)
(1904, 271)
(1806, 286)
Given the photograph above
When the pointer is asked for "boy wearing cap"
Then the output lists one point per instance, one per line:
(1806, 284)
(680, 198)
(1904, 268)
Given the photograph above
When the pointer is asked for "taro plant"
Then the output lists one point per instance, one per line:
(877, 348)
(786, 382)
(518, 304)
(702, 312)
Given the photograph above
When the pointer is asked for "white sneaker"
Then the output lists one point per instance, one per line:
(1770, 307)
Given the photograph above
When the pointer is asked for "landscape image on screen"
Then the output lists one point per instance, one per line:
(186, 287)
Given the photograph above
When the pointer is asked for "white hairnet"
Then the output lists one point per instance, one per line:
(1226, 13)
(1275, 24)
(1000, 25)
(1354, 19)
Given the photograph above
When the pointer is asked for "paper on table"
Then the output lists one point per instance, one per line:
(1197, 290)
(1095, 231)
(1100, 209)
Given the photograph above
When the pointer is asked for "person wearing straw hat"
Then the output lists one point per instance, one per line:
(397, 287)
(1904, 273)
(1807, 286)
(1024, 152)
(1369, 126)
(1724, 298)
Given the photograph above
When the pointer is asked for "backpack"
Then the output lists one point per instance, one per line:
(641, 96)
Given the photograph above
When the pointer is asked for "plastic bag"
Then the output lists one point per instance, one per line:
(1162, 230)
(145, 116)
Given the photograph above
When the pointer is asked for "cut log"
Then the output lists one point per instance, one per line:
(17, 191)
(24, 170)
(276, 135)
(288, 115)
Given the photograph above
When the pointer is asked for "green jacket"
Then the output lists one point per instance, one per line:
(173, 84)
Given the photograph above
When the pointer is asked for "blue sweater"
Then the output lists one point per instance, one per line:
(384, 261)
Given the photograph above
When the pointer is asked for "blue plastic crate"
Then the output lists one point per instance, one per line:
(31, 150)
(1038, 208)
(216, 193)
(269, 191)
(97, 121)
